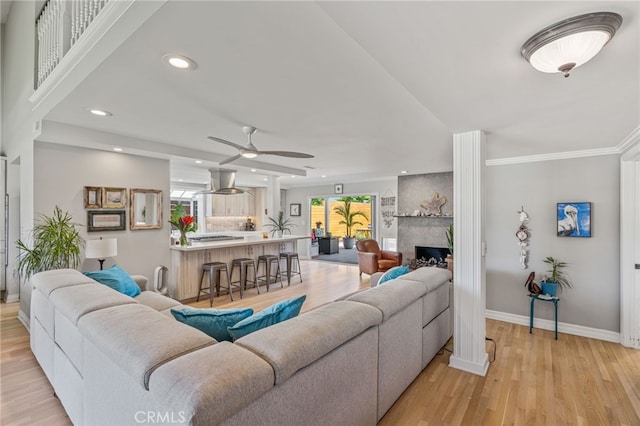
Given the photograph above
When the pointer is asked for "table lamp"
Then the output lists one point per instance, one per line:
(101, 249)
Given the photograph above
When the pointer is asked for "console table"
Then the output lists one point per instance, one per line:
(553, 300)
(328, 245)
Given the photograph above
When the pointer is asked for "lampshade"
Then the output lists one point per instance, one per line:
(568, 44)
(101, 249)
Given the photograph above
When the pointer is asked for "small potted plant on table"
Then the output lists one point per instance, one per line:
(557, 279)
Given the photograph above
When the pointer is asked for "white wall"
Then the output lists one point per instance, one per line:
(593, 263)
(303, 195)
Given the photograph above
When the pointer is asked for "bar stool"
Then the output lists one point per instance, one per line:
(243, 265)
(290, 256)
(268, 259)
(215, 270)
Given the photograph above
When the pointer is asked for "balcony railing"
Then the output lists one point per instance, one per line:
(59, 26)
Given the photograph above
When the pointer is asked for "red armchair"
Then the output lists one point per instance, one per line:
(371, 259)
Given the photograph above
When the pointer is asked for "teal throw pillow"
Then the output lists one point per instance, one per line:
(117, 279)
(393, 273)
(213, 322)
(274, 314)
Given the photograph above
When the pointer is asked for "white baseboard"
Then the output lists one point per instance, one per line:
(11, 298)
(470, 367)
(24, 319)
(576, 330)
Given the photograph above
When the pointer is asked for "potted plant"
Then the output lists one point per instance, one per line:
(557, 279)
(183, 223)
(349, 220)
(56, 245)
(280, 225)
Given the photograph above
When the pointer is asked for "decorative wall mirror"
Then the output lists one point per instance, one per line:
(145, 209)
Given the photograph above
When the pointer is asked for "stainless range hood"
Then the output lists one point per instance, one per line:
(223, 182)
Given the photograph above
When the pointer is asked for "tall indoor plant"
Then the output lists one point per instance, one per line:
(280, 225)
(349, 219)
(56, 245)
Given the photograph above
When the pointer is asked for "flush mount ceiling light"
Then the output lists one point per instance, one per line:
(180, 62)
(568, 44)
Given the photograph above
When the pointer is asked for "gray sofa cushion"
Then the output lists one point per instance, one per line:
(391, 297)
(431, 277)
(298, 342)
(74, 302)
(48, 281)
(212, 383)
(140, 339)
(157, 301)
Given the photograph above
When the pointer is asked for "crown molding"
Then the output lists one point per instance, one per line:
(629, 141)
(553, 156)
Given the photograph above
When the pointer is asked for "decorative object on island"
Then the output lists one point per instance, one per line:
(145, 209)
(388, 207)
(433, 207)
(92, 197)
(114, 198)
(56, 245)
(348, 219)
(101, 220)
(280, 225)
(574, 220)
(183, 223)
(522, 234)
(557, 279)
(101, 249)
(295, 209)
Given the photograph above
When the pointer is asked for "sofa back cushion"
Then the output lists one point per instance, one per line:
(117, 279)
(274, 314)
(140, 339)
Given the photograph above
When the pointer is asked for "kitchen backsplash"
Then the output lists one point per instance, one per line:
(225, 223)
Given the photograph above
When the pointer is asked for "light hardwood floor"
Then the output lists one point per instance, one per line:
(534, 380)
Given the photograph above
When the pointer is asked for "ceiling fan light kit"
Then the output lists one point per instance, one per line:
(568, 44)
(250, 151)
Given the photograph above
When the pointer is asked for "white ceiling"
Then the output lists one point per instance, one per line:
(369, 88)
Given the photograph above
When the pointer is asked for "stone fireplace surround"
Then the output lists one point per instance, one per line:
(427, 231)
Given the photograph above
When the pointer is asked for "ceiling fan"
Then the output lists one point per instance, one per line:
(250, 151)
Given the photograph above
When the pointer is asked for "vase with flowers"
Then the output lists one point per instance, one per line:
(183, 223)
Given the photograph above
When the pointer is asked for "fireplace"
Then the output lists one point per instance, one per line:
(431, 256)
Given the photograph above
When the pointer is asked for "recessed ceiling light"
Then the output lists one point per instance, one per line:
(180, 62)
(198, 161)
(293, 176)
(180, 180)
(404, 172)
(324, 176)
(99, 112)
(253, 170)
(117, 149)
(265, 179)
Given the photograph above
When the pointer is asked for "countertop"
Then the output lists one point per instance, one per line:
(245, 241)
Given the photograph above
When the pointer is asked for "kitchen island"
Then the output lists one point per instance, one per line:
(186, 261)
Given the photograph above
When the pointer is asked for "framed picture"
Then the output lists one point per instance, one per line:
(294, 210)
(92, 197)
(114, 198)
(337, 188)
(574, 220)
(101, 220)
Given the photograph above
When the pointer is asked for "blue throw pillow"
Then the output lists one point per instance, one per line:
(274, 314)
(117, 279)
(393, 273)
(213, 322)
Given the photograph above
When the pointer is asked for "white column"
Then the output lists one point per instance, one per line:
(469, 294)
(630, 246)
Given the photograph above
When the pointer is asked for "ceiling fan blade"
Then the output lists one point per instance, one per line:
(235, 145)
(287, 154)
(230, 159)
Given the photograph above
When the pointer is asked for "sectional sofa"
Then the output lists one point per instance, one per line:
(117, 360)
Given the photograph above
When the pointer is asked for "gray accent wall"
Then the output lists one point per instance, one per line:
(62, 172)
(423, 231)
(593, 263)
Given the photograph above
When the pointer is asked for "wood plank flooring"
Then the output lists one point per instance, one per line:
(535, 380)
